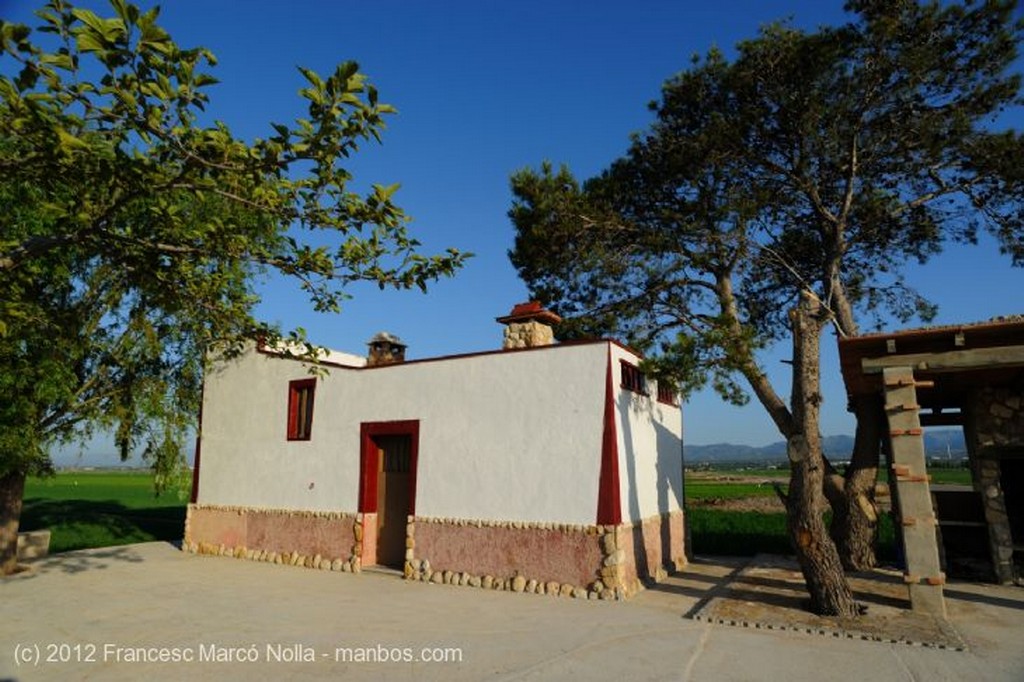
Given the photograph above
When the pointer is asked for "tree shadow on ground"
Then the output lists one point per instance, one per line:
(83, 524)
(81, 561)
(708, 578)
(989, 599)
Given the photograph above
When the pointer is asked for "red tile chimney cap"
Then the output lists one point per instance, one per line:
(532, 310)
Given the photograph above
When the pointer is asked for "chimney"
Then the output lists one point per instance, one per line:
(385, 349)
(529, 326)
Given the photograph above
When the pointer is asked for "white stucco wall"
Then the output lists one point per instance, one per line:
(504, 436)
(650, 448)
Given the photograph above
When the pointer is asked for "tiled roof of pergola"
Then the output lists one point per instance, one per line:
(956, 358)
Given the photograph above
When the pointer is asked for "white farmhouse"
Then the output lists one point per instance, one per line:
(539, 467)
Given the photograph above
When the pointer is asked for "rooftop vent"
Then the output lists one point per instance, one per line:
(385, 349)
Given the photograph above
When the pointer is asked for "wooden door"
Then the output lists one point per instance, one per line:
(393, 474)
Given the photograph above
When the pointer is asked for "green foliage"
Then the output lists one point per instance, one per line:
(813, 164)
(133, 236)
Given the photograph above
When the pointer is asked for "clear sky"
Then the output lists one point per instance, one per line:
(485, 88)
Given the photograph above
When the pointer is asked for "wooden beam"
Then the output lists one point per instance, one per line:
(949, 361)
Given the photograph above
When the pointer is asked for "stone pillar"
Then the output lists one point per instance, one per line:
(997, 428)
(923, 572)
(528, 335)
(529, 326)
(1000, 540)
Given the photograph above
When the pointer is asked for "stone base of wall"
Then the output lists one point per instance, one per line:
(323, 540)
(651, 548)
(582, 561)
(33, 544)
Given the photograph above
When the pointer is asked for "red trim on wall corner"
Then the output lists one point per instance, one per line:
(368, 460)
(609, 506)
(195, 471)
(199, 441)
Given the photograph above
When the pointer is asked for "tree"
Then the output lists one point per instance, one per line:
(780, 193)
(133, 236)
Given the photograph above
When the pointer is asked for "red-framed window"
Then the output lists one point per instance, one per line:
(631, 378)
(300, 408)
(667, 394)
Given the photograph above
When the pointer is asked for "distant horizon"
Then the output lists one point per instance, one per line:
(108, 458)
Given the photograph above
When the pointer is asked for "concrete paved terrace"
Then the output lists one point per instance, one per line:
(149, 611)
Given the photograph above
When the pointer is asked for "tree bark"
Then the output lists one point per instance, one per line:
(12, 490)
(854, 511)
(816, 553)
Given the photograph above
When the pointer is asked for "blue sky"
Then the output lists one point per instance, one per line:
(486, 88)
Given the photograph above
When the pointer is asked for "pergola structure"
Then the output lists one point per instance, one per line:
(970, 376)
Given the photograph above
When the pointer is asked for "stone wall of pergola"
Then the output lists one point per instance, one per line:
(994, 428)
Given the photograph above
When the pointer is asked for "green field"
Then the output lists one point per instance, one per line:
(98, 509)
(748, 528)
(698, 489)
(746, 533)
(957, 476)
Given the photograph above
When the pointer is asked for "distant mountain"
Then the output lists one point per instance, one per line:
(937, 444)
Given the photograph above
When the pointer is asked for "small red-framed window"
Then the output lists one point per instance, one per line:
(631, 378)
(300, 408)
(667, 394)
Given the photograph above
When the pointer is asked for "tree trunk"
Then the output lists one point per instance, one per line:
(854, 512)
(815, 551)
(819, 560)
(12, 490)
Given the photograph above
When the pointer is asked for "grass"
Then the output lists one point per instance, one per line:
(86, 509)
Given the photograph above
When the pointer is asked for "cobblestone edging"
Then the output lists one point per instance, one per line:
(350, 564)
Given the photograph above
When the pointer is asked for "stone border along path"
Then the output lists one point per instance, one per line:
(827, 632)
